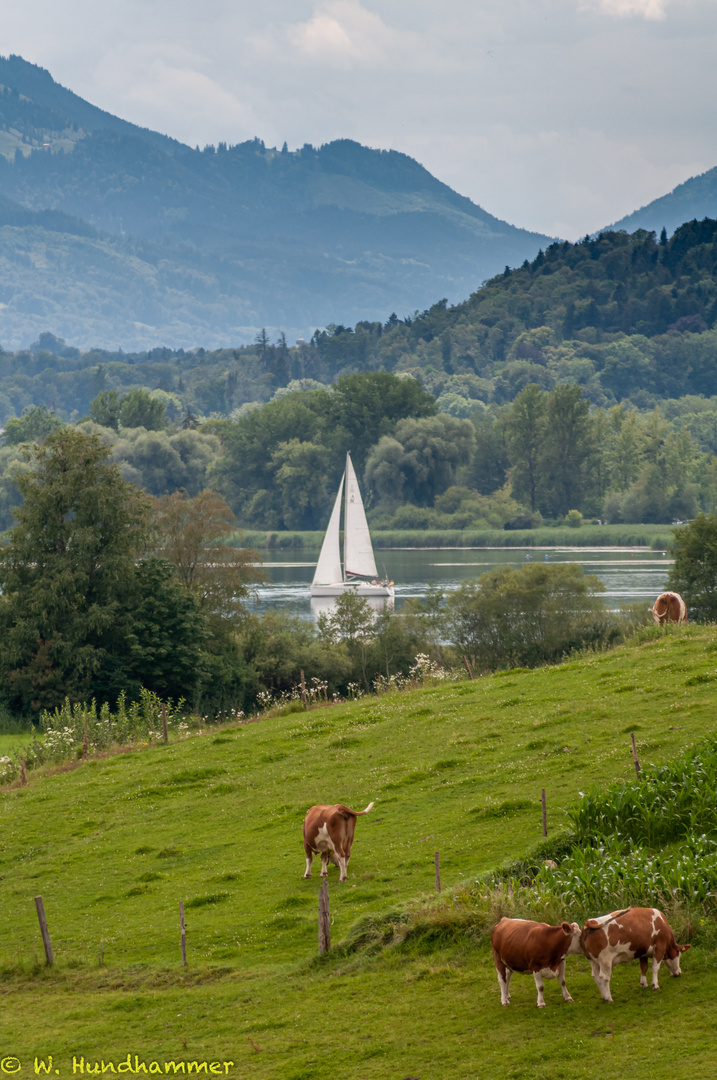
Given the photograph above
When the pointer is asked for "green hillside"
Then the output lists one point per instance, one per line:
(215, 821)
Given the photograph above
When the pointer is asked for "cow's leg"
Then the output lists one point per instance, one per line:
(602, 980)
(561, 980)
(343, 867)
(538, 976)
(324, 864)
(643, 972)
(309, 860)
(655, 968)
(503, 974)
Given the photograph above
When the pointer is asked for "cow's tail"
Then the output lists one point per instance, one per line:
(357, 813)
(597, 924)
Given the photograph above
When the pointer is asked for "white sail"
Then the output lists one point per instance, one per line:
(358, 552)
(328, 568)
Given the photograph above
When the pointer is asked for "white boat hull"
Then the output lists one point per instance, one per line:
(359, 588)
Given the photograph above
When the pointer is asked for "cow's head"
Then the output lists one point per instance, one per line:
(672, 958)
(659, 610)
(572, 931)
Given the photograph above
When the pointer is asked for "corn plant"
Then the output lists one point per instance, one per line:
(668, 802)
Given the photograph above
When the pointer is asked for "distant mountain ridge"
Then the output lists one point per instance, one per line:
(695, 199)
(204, 247)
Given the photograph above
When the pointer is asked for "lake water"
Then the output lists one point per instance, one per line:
(628, 574)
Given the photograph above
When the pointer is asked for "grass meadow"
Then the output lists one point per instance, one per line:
(113, 844)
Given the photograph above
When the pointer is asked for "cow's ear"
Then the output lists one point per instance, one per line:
(567, 928)
(592, 924)
(684, 948)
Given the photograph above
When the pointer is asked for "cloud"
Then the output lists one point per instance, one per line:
(624, 9)
(155, 82)
(342, 33)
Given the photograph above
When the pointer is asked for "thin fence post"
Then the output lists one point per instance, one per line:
(634, 756)
(327, 915)
(467, 666)
(43, 930)
(322, 930)
(183, 934)
(545, 812)
(84, 741)
(23, 772)
(164, 722)
(303, 690)
(438, 872)
(324, 918)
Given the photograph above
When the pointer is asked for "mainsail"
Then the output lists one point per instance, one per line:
(328, 568)
(358, 551)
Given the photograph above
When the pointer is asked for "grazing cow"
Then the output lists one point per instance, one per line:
(669, 607)
(522, 945)
(634, 933)
(329, 832)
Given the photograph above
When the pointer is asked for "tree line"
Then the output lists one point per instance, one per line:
(628, 317)
(548, 455)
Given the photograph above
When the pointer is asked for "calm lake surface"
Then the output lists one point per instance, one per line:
(628, 574)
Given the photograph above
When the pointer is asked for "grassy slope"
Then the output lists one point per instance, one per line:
(112, 847)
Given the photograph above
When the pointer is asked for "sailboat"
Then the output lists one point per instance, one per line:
(359, 574)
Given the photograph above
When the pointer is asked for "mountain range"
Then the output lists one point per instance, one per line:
(695, 199)
(116, 235)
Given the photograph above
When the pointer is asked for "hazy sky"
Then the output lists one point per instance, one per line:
(557, 115)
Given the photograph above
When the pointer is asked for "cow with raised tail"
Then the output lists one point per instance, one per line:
(329, 832)
(522, 945)
(669, 607)
(632, 934)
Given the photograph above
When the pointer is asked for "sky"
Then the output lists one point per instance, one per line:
(560, 116)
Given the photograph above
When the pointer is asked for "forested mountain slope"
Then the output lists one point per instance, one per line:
(624, 316)
(293, 239)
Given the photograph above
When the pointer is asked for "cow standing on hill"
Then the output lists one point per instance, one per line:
(669, 607)
(522, 945)
(635, 933)
(329, 832)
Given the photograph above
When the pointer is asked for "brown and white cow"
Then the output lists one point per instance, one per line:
(522, 945)
(329, 832)
(634, 933)
(669, 607)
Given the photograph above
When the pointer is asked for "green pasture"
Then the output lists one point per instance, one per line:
(10, 743)
(114, 844)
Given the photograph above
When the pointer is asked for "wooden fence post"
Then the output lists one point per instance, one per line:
(545, 812)
(164, 722)
(84, 741)
(438, 872)
(303, 690)
(327, 914)
(324, 918)
(634, 756)
(43, 930)
(183, 934)
(467, 666)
